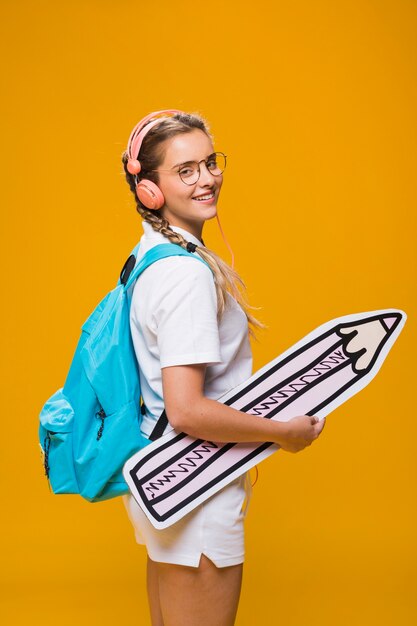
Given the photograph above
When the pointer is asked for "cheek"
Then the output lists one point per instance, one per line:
(173, 191)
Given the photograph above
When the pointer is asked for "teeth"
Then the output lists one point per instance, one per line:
(206, 197)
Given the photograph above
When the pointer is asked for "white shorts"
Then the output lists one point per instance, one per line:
(214, 528)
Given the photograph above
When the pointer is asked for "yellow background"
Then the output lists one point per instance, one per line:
(314, 103)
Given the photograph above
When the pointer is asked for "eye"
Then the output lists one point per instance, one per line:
(186, 171)
(212, 163)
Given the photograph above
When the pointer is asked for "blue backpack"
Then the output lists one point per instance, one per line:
(91, 426)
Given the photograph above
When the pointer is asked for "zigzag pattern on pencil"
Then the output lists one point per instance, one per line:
(185, 467)
(292, 388)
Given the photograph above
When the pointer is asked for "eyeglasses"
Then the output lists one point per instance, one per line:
(189, 172)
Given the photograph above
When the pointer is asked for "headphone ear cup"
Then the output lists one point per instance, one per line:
(149, 194)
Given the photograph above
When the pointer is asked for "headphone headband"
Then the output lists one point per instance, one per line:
(148, 193)
(142, 128)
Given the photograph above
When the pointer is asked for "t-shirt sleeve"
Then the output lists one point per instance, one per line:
(185, 314)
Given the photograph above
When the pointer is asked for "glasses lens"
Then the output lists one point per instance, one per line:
(189, 173)
(217, 163)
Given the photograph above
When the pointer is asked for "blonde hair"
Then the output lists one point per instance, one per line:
(151, 155)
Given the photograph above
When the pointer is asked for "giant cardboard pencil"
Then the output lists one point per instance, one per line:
(174, 474)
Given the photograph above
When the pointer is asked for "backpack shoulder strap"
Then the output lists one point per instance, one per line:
(128, 266)
(160, 251)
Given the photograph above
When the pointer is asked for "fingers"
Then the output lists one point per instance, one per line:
(319, 426)
(306, 429)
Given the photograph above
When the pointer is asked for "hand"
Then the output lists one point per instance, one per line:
(300, 432)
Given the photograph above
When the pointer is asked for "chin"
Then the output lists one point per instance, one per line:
(210, 212)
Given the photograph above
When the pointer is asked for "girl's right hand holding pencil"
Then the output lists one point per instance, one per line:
(300, 432)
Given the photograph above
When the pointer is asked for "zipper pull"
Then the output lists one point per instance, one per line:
(46, 446)
(45, 450)
(101, 415)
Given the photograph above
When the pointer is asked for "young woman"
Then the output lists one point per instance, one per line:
(190, 326)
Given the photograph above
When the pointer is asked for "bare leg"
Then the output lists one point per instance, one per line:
(203, 596)
(152, 584)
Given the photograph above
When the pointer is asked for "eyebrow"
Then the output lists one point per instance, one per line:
(186, 162)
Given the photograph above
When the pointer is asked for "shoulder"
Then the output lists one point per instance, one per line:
(178, 269)
(177, 278)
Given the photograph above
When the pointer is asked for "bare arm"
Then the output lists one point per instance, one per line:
(190, 411)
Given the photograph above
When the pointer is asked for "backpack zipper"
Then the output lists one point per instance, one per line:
(46, 446)
(101, 415)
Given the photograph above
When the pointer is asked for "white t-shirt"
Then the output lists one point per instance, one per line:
(173, 321)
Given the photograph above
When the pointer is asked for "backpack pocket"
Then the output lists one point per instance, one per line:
(56, 440)
(120, 437)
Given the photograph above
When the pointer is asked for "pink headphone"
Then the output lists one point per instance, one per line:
(148, 193)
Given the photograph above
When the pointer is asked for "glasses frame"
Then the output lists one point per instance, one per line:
(198, 167)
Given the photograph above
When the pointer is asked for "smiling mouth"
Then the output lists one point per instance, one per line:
(205, 198)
